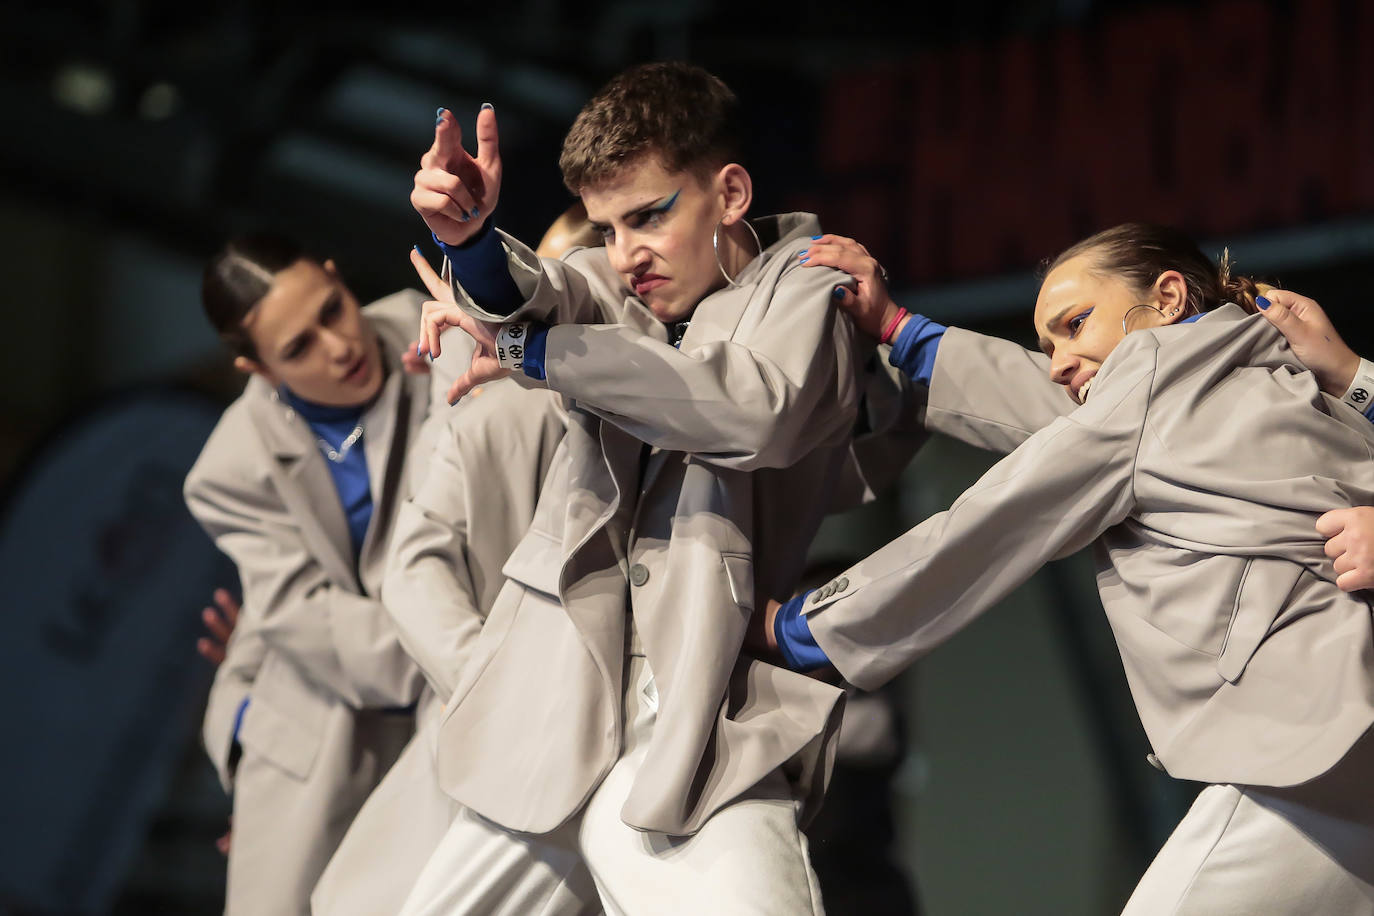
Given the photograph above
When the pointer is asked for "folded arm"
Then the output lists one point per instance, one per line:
(340, 639)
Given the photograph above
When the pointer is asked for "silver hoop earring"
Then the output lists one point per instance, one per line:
(1142, 305)
(715, 245)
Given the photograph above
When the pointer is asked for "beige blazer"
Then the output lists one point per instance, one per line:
(1195, 470)
(471, 506)
(474, 502)
(232, 684)
(314, 648)
(746, 428)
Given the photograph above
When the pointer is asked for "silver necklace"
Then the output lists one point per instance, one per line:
(339, 454)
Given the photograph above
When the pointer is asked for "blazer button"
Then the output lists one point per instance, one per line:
(639, 574)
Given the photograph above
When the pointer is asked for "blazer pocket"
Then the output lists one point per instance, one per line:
(536, 562)
(1261, 596)
(739, 572)
(277, 738)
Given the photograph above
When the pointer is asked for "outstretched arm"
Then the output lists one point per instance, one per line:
(985, 391)
(1055, 494)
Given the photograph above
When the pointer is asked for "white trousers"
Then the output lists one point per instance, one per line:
(1246, 851)
(394, 833)
(750, 857)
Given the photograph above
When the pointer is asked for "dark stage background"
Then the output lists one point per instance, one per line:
(962, 142)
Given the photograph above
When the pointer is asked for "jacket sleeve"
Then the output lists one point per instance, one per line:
(1055, 494)
(474, 501)
(341, 640)
(567, 290)
(992, 393)
(232, 685)
(782, 388)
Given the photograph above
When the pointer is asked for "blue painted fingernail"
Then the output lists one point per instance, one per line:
(838, 292)
(476, 211)
(417, 249)
(1262, 302)
(814, 237)
(417, 350)
(487, 106)
(462, 217)
(439, 116)
(803, 260)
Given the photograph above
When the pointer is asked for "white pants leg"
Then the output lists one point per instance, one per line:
(750, 857)
(1238, 853)
(481, 869)
(394, 834)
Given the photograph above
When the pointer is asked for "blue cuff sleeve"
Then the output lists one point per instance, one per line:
(480, 265)
(914, 349)
(795, 642)
(536, 340)
(1369, 412)
(238, 718)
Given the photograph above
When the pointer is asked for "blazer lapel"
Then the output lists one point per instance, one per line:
(307, 487)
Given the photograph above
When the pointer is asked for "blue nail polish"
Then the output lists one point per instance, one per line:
(838, 292)
(1262, 302)
(476, 211)
(462, 218)
(487, 106)
(417, 349)
(815, 237)
(803, 260)
(417, 250)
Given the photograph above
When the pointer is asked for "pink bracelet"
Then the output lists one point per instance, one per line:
(901, 313)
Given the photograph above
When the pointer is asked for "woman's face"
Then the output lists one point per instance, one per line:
(1079, 316)
(311, 336)
(657, 226)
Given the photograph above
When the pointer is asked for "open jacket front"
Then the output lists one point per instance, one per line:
(689, 482)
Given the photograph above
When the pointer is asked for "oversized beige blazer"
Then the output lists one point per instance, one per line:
(475, 499)
(1196, 471)
(689, 482)
(314, 647)
(473, 503)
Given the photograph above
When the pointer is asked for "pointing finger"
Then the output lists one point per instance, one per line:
(432, 281)
(488, 139)
(448, 140)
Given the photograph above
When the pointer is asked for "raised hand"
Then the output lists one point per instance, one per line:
(869, 302)
(454, 193)
(220, 622)
(1313, 338)
(441, 313)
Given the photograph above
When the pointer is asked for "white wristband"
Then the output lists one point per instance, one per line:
(1361, 390)
(510, 345)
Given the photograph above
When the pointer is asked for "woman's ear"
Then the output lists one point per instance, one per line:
(737, 189)
(1171, 292)
(253, 367)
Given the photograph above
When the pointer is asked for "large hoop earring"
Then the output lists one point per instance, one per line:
(1142, 305)
(715, 245)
